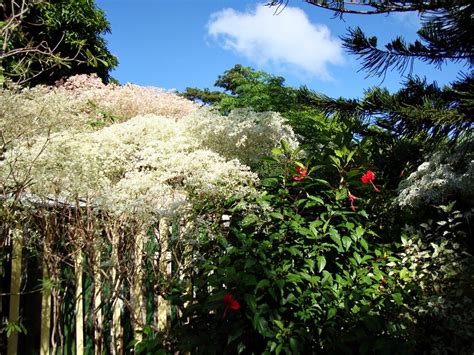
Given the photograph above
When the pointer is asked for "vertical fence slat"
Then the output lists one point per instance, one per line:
(45, 312)
(163, 309)
(97, 305)
(116, 338)
(15, 283)
(78, 269)
(137, 297)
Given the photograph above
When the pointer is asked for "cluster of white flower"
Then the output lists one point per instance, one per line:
(82, 103)
(440, 179)
(243, 134)
(146, 165)
(148, 162)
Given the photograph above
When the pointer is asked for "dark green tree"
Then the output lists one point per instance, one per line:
(420, 108)
(244, 87)
(44, 40)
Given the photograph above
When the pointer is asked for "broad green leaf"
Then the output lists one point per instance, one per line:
(332, 312)
(321, 262)
(357, 258)
(285, 146)
(293, 277)
(327, 279)
(346, 242)
(334, 235)
(279, 324)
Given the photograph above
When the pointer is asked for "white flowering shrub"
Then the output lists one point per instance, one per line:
(131, 148)
(243, 134)
(447, 175)
(148, 164)
(82, 103)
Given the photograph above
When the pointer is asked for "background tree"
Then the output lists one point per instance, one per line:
(44, 40)
(420, 107)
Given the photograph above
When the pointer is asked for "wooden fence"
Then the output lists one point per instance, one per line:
(75, 283)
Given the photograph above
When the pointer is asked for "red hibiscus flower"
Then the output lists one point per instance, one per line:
(302, 173)
(368, 178)
(352, 198)
(231, 303)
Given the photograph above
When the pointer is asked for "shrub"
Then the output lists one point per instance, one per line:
(294, 270)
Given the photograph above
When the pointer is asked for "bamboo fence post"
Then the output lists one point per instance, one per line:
(137, 298)
(98, 324)
(15, 283)
(45, 306)
(163, 309)
(116, 336)
(78, 266)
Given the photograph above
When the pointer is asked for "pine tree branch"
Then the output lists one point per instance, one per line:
(398, 54)
(340, 7)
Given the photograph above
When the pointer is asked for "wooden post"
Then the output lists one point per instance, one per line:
(45, 308)
(78, 262)
(137, 297)
(98, 325)
(15, 283)
(163, 310)
(116, 336)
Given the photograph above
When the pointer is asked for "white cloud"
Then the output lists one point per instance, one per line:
(286, 39)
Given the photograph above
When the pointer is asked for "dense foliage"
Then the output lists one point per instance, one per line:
(271, 220)
(43, 41)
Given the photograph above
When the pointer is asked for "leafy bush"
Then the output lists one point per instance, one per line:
(294, 270)
(437, 271)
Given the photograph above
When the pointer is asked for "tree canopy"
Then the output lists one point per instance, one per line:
(44, 40)
(419, 107)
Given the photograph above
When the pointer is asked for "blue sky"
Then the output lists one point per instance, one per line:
(178, 43)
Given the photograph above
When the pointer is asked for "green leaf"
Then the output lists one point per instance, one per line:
(331, 312)
(327, 279)
(249, 220)
(285, 146)
(321, 262)
(334, 235)
(277, 151)
(397, 297)
(349, 157)
(337, 161)
(339, 153)
(346, 242)
(313, 230)
(357, 258)
(358, 233)
(294, 345)
(293, 277)
(364, 244)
